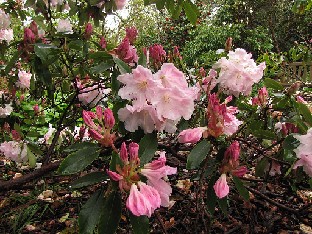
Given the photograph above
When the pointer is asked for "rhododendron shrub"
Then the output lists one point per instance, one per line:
(70, 95)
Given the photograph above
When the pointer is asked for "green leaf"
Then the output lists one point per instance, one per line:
(191, 11)
(79, 146)
(305, 112)
(261, 166)
(31, 158)
(148, 147)
(273, 84)
(89, 179)
(111, 214)
(140, 224)
(264, 134)
(101, 67)
(12, 62)
(142, 60)
(241, 188)
(223, 204)
(123, 67)
(90, 213)
(211, 200)
(79, 160)
(75, 44)
(46, 52)
(290, 143)
(198, 154)
(115, 160)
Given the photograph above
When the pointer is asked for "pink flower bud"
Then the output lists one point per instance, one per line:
(240, 171)
(99, 112)
(157, 53)
(33, 27)
(221, 187)
(124, 152)
(133, 151)
(131, 34)
(109, 118)
(15, 135)
(87, 118)
(301, 100)
(88, 31)
(120, 4)
(113, 175)
(36, 109)
(190, 135)
(232, 152)
(103, 43)
(29, 36)
(202, 72)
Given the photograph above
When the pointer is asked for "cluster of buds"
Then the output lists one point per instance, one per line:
(100, 125)
(131, 34)
(88, 31)
(126, 52)
(262, 98)
(230, 164)
(144, 198)
(158, 55)
(286, 128)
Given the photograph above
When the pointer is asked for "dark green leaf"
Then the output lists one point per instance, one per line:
(78, 160)
(46, 52)
(115, 160)
(79, 146)
(31, 158)
(75, 45)
(111, 214)
(241, 188)
(12, 62)
(123, 67)
(261, 166)
(223, 204)
(198, 154)
(101, 67)
(89, 179)
(90, 213)
(211, 196)
(290, 143)
(306, 113)
(142, 60)
(270, 83)
(191, 11)
(140, 224)
(148, 147)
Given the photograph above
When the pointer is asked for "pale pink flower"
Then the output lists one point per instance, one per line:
(6, 110)
(275, 169)
(64, 26)
(16, 151)
(49, 133)
(23, 79)
(171, 77)
(6, 35)
(210, 81)
(221, 187)
(231, 123)
(140, 85)
(4, 20)
(301, 100)
(238, 73)
(191, 135)
(120, 4)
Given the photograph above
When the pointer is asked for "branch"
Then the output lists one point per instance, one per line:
(16, 183)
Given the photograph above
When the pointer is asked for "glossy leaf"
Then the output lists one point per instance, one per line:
(273, 84)
(123, 67)
(198, 154)
(90, 213)
(223, 204)
(111, 214)
(241, 188)
(101, 67)
(265, 134)
(148, 147)
(261, 166)
(140, 224)
(89, 179)
(191, 11)
(305, 112)
(211, 200)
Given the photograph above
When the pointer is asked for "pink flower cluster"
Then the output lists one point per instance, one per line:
(230, 164)
(221, 120)
(5, 110)
(144, 198)
(238, 73)
(158, 55)
(6, 34)
(131, 34)
(100, 125)
(304, 152)
(64, 26)
(14, 150)
(126, 52)
(90, 95)
(159, 100)
(23, 81)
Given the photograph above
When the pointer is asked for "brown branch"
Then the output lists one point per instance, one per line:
(17, 183)
(158, 216)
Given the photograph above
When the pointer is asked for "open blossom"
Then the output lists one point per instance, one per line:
(23, 79)
(238, 73)
(5, 110)
(221, 187)
(143, 198)
(159, 101)
(100, 125)
(304, 152)
(64, 26)
(191, 135)
(6, 34)
(14, 150)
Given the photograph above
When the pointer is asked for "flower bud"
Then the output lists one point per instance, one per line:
(221, 187)
(103, 43)
(88, 31)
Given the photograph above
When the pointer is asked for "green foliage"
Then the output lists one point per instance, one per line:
(148, 147)
(89, 179)
(198, 154)
(140, 224)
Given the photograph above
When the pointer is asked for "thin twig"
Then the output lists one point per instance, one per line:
(158, 216)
